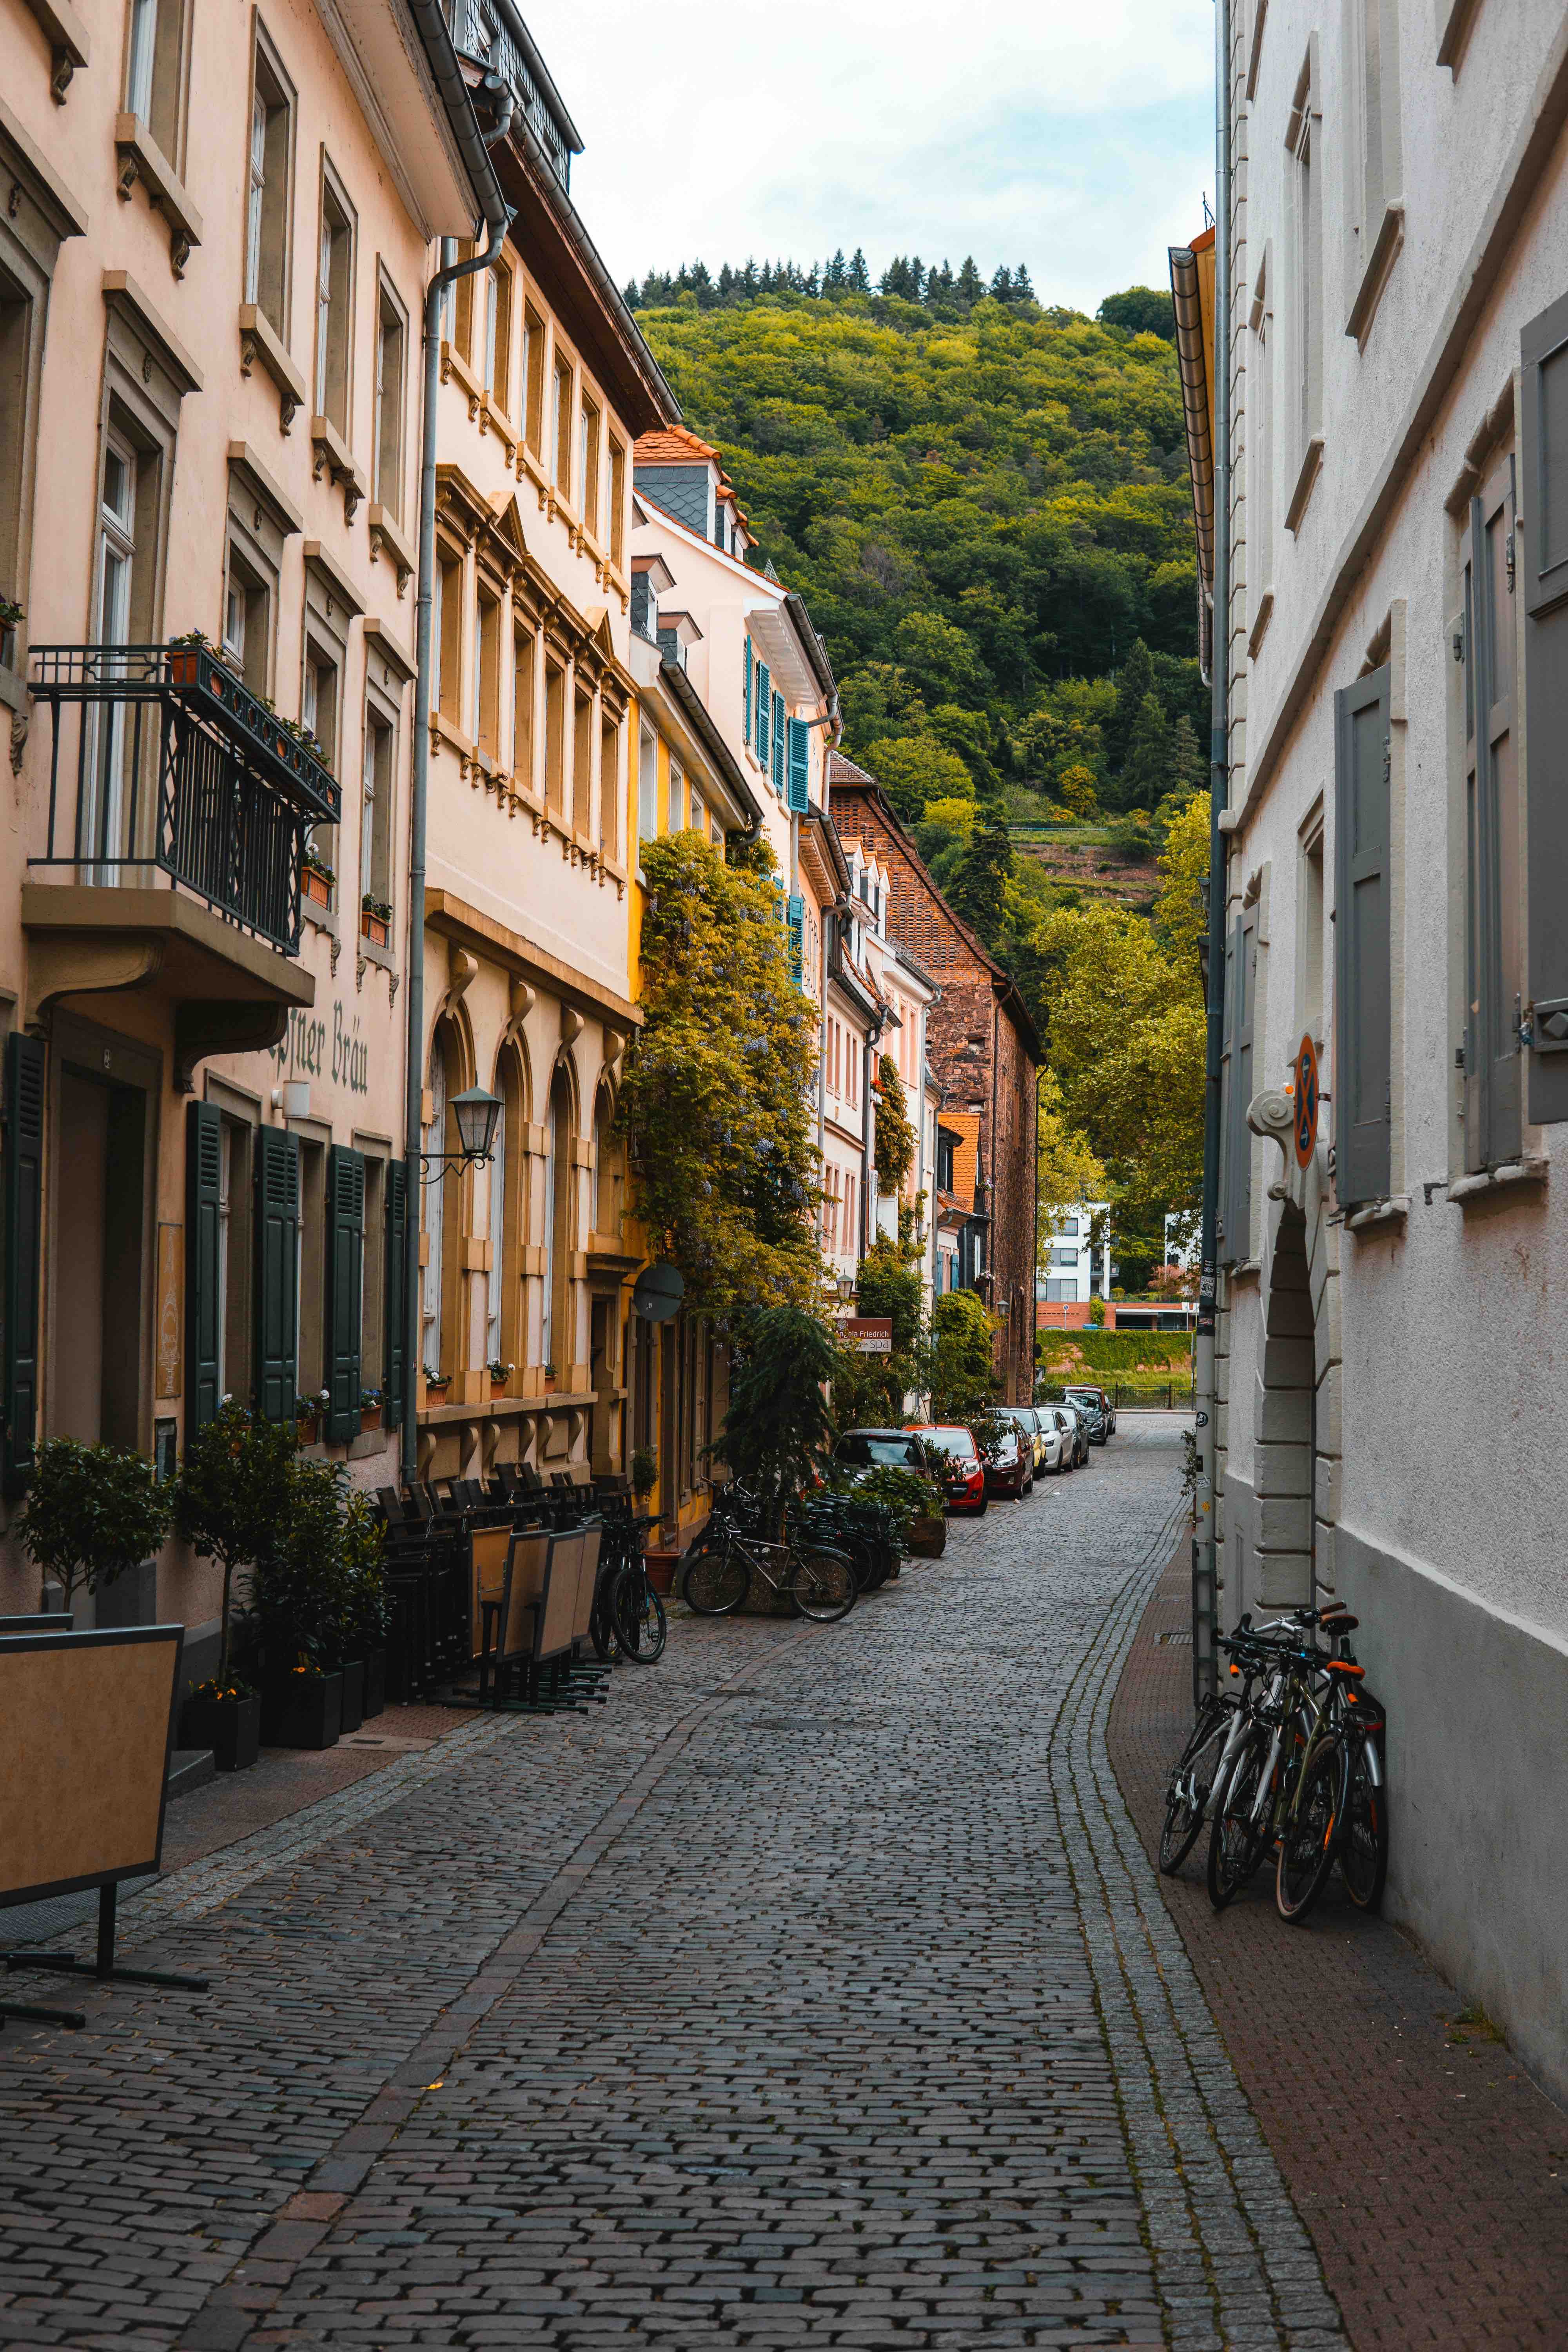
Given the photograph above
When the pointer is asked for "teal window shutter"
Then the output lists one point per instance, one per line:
(746, 695)
(764, 696)
(778, 736)
(23, 1233)
(799, 767)
(277, 1274)
(394, 1385)
(345, 1287)
(796, 936)
(204, 1293)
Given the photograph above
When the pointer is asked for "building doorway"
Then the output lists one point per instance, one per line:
(99, 1219)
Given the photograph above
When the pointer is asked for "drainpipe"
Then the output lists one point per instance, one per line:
(1206, 1586)
(498, 218)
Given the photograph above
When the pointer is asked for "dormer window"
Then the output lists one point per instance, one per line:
(651, 577)
(676, 632)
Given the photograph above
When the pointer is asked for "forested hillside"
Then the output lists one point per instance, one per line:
(985, 505)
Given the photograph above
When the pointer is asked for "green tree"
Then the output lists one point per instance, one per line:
(232, 1491)
(914, 769)
(1075, 789)
(1134, 684)
(1181, 916)
(1189, 770)
(1146, 770)
(90, 1511)
(1069, 1170)
(1143, 309)
(979, 890)
(778, 1432)
(723, 1149)
(960, 1375)
(895, 1141)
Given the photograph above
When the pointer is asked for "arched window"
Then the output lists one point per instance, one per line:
(609, 1159)
(504, 1338)
(556, 1335)
(435, 1177)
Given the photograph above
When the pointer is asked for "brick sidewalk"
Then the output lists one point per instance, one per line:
(1431, 2173)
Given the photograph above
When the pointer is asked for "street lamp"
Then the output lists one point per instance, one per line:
(476, 1113)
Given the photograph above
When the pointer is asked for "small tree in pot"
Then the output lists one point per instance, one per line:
(302, 1612)
(778, 1432)
(90, 1511)
(231, 1494)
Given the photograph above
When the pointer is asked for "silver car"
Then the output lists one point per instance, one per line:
(1066, 1436)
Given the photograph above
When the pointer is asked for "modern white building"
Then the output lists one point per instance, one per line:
(1393, 1424)
(1078, 1267)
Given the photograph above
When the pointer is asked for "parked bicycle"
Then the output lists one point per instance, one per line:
(720, 1568)
(628, 1618)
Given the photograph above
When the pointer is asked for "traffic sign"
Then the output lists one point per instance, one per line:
(1306, 1123)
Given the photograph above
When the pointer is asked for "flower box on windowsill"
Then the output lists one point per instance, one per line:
(370, 1417)
(306, 1429)
(436, 1390)
(498, 1388)
(373, 929)
(317, 885)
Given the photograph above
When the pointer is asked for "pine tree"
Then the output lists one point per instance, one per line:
(1135, 681)
(1002, 285)
(630, 296)
(748, 278)
(859, 279)
(1023, 289)
(1146, 770)
(726, 283)
(1189, 770)
(969, 285)
(917, 279)
(834, 275)
(813, 283)
(979, 890)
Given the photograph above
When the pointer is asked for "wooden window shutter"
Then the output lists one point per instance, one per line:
(746, 695)
(1232, 957)
(1363, 1017)
(778, 768)
(345, 1292)
(277, 1274)
(24, 1242)
(1493, 974)
(796, 925)
(765, 699)
(799, 767)
(395, 1392)
(1544, 448)
(204, 1293)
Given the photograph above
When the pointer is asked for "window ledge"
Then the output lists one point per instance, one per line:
(385, 537)
(13, 689)
(529, 466)
(259, 340)
(1260, 626)
(67, 36)
(141, 158)
(493, 418)
(1310, 466)
(454, 366)
(1378, 269)
(371, 951)
(335, 457)
(1394, 1210)
(320, 917)
(1510, 1178)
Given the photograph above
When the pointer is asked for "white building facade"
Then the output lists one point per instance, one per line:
(1393, 1427)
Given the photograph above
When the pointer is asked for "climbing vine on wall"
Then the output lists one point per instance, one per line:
(895, 1149)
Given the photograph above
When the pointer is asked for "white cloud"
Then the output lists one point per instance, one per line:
(1076, 140)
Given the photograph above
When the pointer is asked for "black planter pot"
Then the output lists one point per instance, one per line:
(231, 1728)
(375, 1684)
(353, 1672)
(303, 1711)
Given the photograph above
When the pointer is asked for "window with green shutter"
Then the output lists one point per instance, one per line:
(1236, 1157)
(799, 767)
(24, 1240)
(1493, 972)
(203, 1269)
(1544, 579)
(778, 745)
(277, 1273)
(395, 1375)
(765, 704)
(345, 1279)
(1363, 1074)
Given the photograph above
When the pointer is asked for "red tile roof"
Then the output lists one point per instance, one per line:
(677, 446)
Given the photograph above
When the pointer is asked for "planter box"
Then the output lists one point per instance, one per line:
(307, 1433)
(661, 1568)
(370, 1417)
(928, 1536)
(498, 1388)
(374, 1684)
(353, 1711)
(231, 1728)
(373, 928)
(315, 885)
(185, 666)
(303, 1711)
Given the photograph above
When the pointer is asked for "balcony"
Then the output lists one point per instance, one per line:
(162, 762)
(179, 811)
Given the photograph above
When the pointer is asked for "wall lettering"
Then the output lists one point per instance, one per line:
(313, 1050)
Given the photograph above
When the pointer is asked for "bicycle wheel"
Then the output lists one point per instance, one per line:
(1306, 1839)
(714, 1584)
(1364, 1848)
(1187, 1793)
(822, 1585)
(601, 1620)
(640, 1627)
(1236, 1842)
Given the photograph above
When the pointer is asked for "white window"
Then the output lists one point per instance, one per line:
(1260, 454)
(144, 53)
(497, 1238)
(257, 196)
(117, 554)
(647, 786)
(1301, 389)
(677, 799)
(435, 1184)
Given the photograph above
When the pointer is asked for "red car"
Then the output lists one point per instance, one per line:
(956, 1460)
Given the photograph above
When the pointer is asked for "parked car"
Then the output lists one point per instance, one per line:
(1065, 1436)
(1078, 1419)
(1010, 1467)
(1027, 1420)
(956, 1458)
(1101, 1397)
(880, 1449)
(1096, 1415)
(1056, 1442)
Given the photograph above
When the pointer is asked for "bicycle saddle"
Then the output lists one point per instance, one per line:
(1342, 1666)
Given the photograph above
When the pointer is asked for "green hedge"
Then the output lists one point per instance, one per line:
(1116, 1351)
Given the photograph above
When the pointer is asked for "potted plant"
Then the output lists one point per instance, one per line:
(644, 1473)
(316, 877)
(437, 1385)
(500, 1375)
(551, 1376)
(308, 1413)
(91, 1512)
(228, 1498)
(908, 1496)
(223, 1714)
(302, 1613)
(365, 1606)
(184, 657)
(375, 918)
(370, 1409)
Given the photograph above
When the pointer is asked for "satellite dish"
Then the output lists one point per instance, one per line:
(657, 1293)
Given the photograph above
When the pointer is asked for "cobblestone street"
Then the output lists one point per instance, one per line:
(816, 1989)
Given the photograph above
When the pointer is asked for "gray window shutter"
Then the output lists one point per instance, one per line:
(1363, 1022)
(1492, 961)
(345, 1293)
(395, 1381)
(203, 1295)
(24, 1234)
(1544, 439)
(277, 1273)
(1241, 989)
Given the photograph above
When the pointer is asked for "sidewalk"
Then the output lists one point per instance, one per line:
(1432, 2174)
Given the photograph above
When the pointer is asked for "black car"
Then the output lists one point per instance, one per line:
(1090, 1405)
(880, 1449)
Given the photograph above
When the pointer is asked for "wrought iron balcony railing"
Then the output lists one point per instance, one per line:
(160, 758)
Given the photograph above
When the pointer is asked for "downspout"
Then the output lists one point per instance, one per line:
(498, 219)
(1205, 1581)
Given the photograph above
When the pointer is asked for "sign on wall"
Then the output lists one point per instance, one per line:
(1307, 1098)
(171, 1323)
(868, 1335)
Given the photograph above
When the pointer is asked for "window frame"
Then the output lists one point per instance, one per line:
(270, 289)
(389, 435)
(332, 347)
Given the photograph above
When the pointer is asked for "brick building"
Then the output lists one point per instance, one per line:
(982, 1045)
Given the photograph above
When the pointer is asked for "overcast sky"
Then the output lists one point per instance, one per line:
(1077, 139)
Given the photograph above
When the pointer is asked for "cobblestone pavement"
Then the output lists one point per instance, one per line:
(816, 1991)
(1433, 2174)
